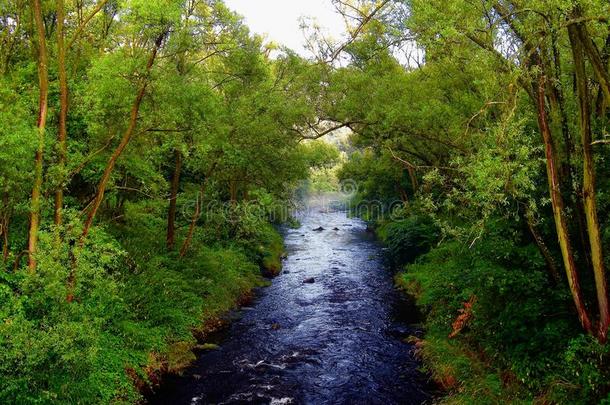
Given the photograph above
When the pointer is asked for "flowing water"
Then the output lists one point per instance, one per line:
(336, 339)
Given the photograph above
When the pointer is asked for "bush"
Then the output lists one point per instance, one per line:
(60, 352)
(408, 238)
(133, 315)
(522, 329)
(585, 373)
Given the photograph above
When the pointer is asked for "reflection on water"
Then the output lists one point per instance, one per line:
(336, 339)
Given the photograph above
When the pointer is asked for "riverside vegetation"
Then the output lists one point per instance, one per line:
(497, 145)
(145, 145)
(149, 146)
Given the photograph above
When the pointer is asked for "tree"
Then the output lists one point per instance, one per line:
(43, 83)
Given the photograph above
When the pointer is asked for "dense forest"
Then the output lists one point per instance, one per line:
(150, 149)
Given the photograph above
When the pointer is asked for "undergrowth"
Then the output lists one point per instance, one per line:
(135, 312)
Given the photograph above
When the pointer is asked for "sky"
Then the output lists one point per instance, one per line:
(279, 20)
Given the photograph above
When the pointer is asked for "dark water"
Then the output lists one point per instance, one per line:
(338, 340)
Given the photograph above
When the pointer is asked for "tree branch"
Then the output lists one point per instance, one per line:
(82, 26)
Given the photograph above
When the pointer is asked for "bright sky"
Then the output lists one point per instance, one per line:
(280, 19)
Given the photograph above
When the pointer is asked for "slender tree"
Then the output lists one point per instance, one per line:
(561, 225)
(63, 108)
(171, 215)
(588, 189)
(43, 82)
(125, 139)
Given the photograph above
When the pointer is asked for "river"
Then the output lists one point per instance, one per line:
(329, 330)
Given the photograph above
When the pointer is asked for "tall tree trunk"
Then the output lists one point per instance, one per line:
(171, 216)
(567, 252)
(404, 197)
(601, 104)
(194, 219)
(63, 109)
(563, 117)
(5, 247)
(233, 191)
(43, 80)
(197, 213)
(589, 192)
(551, 65)
(413, 177)
(133, 120)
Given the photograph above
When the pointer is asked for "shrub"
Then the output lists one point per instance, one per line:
(408, 238)
(585, 374)
(133, 314)
(521, 323)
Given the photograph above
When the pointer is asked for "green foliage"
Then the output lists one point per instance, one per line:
(60, 352)
(210, 96)
(56, 351)
(380, 184)
(319, 154)
(324, 159)
(271, 249)
(520, 323)
(408, 238)
(470, 379)
(17, 138)
(465, 124)
(178, 102)
(585, 372)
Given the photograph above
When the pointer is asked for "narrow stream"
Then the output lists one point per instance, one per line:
(336, 339)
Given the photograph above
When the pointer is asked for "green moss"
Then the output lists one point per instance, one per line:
(208, 346)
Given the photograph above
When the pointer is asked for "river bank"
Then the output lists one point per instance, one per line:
(217, 312)
(485, 333)
(460, 373)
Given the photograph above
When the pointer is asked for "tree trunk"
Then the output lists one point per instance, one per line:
(5, 246)
(233, 191)
(588, 190)
(197, 213)
(101, 188)
(559, 121)
(551, 265)
(43, 80)
(413, 177)
(4, 226)
(194, 219)
(171, 216)
(594, 56)
(558, 210)
(404, 197)
(601, 104)
(133, 120)
(63, 109)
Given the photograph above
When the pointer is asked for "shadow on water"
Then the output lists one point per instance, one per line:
(330, 329)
